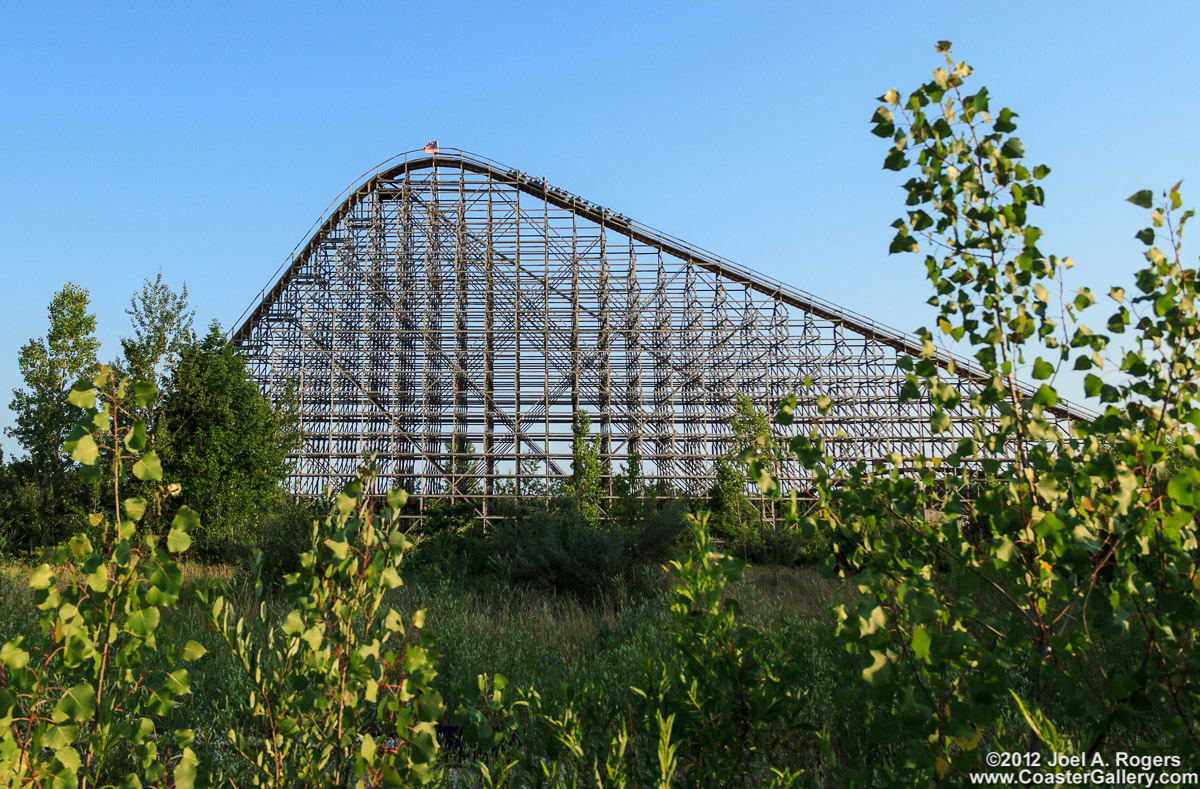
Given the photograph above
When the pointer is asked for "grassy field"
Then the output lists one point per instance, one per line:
(588, 654)
(552, 643)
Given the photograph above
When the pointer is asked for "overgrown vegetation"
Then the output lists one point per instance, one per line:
(1057, 608)
(1036, 590)
(214, 432)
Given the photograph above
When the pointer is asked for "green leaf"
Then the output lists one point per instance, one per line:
(1045, 396)
(80, 544)
(1012, 148)
(186, 769)
(920, 643)
(42, 577)
(135, 508)
(77, 704)
(97, 581)
(1184, 488)
(340, 548)
(1042, 369)
(824, 404)
(391, 578)
(367, 749)
(148, 468)
(135, 439)
(186, 520)
(1004, 123)
(903, 243)
(396, 499)
(142, 621)
(940, 421)
(178, 541)
(83, 449)
(293, 623)
(1146, 236)
(12, 656)
(1004, 551)
(786, 413)
(895, 160)
(178, 682)
(878, 670)
(82, 394)
(876, 620)
(1144, 198)
(144, 393)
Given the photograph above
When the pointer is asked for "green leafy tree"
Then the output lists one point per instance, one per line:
(631, 504)
(585, 486)
(341, 668)
(734, 516)
(229, 445)
(162, 328)
(49, 365)
(1057, 607)
(67, 713)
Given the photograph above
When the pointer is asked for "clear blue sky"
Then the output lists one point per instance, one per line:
(205, 139)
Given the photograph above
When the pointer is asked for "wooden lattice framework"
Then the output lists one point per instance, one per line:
(452, 315)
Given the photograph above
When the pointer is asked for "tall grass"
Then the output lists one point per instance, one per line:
(556, 643)
(530, 636)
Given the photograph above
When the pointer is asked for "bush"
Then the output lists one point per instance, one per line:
(40, 510)
(1035, 588)
(554, 549)
(550, 545)
(284, 534)
(88, 707)
(341, 680)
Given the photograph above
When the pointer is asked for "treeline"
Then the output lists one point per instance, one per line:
(207, 424)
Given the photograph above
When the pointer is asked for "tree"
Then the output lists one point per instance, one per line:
(49, 366)
(630, 504)
(162, 328)
(75, 710)
(586, 470)
(229, 445)
(734, 516)
(1058, 609)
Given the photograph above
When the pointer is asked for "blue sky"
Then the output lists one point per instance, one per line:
(205, 139)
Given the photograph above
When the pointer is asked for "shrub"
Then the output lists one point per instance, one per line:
(74, 715)
(284, 534)
(1052, 604)
(556, 549)
(341, 681)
